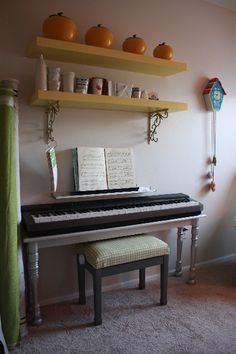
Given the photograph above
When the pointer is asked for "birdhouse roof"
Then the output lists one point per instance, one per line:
(211, 84)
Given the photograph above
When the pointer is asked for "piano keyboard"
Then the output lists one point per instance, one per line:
(74, 215)
(68, 217)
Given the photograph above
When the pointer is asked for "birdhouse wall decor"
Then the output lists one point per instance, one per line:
(213, 95)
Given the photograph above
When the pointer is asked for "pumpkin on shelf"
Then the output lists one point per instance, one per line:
(99, 36)
(163, 51)
(59, 27)
(134, 45)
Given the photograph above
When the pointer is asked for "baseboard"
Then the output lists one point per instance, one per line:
(74, 296)
(60, 299)
(133, 282)
(209, 262)
(217, 260)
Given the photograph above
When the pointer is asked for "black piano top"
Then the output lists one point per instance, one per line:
(108, 203)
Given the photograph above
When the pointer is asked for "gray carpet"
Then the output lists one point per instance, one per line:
(197, 319)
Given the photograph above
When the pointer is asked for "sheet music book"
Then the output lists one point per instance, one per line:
(120, 168)
(91, 168)
(98, 168)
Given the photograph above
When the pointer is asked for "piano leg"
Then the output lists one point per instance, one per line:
(180, 238)
(33, 276)
(192, 270)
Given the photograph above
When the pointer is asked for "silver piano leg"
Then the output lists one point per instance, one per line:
(192, 270)
(33, 276)
(180, 238)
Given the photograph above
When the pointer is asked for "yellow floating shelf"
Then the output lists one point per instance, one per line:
(89, 101)
(110, 58)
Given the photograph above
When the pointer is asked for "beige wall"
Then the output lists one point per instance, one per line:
(203, 36)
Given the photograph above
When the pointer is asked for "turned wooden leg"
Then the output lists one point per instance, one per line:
(192, 270)
(33, 277)
(180, 238)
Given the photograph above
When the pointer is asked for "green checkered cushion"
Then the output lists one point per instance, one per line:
(106, 253)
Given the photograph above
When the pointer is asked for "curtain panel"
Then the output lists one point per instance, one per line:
(12, 286)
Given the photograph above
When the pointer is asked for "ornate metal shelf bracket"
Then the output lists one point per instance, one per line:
(52, 110)
(154, 120)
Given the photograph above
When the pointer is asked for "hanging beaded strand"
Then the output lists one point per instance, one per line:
(212, 184)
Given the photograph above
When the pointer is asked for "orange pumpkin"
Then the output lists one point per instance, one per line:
(59, 27)
(134, 45)
(99, 36)
(163, 51)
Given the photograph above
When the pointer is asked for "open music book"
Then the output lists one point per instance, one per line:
(98, 168)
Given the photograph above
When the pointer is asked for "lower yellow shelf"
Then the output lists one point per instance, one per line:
(117, 103)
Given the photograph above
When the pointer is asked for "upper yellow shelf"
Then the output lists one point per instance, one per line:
(110, 58)
(89, 101)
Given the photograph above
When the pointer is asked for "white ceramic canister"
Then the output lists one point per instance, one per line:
(54, 78)
(68, 81)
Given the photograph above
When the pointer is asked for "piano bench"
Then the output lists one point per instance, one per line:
(114, 256)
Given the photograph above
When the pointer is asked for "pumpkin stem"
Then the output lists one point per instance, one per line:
(60, 13)
(135, 35)
(163, 43)
(99, 25)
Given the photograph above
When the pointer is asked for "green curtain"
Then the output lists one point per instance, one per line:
(9, 275)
